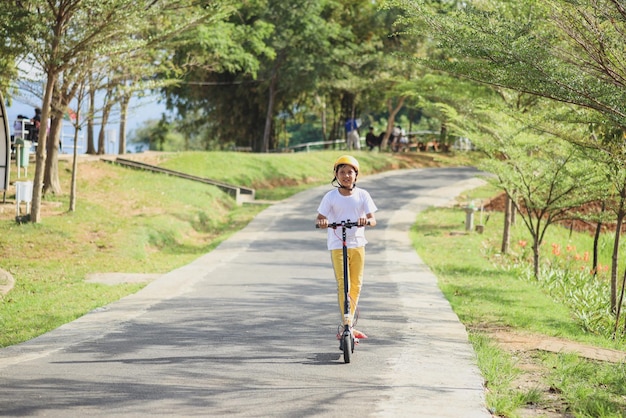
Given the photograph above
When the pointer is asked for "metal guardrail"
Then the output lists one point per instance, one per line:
(240, 194)
(307, 147)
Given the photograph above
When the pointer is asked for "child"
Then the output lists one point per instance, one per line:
(347, 202)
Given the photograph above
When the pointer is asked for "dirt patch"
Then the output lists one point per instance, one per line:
(514, 341)
(9, 210)
(577, 221)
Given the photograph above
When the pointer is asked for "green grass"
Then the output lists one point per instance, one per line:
(276, 176)
(499, 371)
(591, 389)
(489, 291)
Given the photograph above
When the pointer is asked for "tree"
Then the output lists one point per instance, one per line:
(220, 64)
(14, 21)
(308, 57)
(544, 178)
(68, 33)
(78, 123)
(546, 48)
(606, 145)
(571, 52)
(489, 116)
(69, 82)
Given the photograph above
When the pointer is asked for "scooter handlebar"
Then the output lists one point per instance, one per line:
(347, 224)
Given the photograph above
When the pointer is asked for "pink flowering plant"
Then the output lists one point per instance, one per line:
(566, 275)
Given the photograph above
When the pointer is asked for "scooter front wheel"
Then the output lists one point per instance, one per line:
(347, 345)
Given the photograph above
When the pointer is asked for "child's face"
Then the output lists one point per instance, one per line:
(346, 176)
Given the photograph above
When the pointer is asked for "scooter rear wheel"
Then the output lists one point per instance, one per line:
(347, 346)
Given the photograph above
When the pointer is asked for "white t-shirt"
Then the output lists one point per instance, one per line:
(337, 208)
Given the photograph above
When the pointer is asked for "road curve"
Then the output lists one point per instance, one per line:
(248, 330)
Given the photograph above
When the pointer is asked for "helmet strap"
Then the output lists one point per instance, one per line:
(341, 186)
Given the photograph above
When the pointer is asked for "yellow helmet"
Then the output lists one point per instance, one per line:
(347, 159)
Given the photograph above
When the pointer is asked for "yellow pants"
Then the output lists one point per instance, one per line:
(356, 262)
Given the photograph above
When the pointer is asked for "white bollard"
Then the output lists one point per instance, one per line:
(23, 193)
(469, 216)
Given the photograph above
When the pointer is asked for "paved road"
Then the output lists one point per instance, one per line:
(248, 330)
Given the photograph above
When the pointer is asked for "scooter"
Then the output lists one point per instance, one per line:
(346, 338)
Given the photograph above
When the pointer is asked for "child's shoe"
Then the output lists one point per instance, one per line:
(358, 334)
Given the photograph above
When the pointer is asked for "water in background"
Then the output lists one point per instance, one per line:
(140, 111)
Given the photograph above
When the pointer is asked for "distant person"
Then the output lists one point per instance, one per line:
(353, 140)
(35, 123)
(403, 143)
(372, 140)
(394, 142)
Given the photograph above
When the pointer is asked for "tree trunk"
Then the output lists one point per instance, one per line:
(393, 111)
(270, 111)
(322, 104)
(35, 211)
(91, 149)
(615, 257)
(506, 233)
(536, 258)
(123, 116)
(51, 183)
(74, 169)
(596, 240)
(619, 306)
(513, 213)
(106, 111)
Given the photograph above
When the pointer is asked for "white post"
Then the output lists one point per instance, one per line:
(18, 158)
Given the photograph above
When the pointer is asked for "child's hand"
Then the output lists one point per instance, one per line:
(369, 221)
(322, 223)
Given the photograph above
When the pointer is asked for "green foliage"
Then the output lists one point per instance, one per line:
(14, 21)
(586, 296)
(286, 41)
(312, 64)
(548, 48)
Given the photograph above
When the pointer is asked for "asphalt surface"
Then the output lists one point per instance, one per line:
(248, 330)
